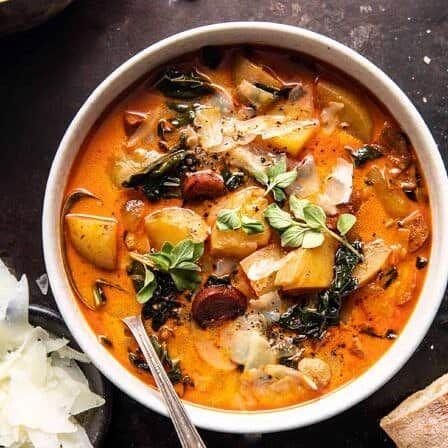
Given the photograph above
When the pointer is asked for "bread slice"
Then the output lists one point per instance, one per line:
(422, 419)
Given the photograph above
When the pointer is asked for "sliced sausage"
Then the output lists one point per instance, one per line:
(132, 120)
(217, 303)
(203, 185)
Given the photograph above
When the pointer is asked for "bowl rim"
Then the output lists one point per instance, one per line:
(365, 72)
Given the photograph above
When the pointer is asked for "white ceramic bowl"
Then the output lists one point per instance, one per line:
(346, 60)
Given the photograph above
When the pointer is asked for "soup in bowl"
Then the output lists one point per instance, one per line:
(266, 214)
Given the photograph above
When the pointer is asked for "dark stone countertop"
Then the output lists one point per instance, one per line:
(47, 73)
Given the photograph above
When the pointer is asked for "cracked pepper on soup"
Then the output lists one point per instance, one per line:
(265, 215)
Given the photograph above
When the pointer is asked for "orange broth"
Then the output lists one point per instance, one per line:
(368, 314)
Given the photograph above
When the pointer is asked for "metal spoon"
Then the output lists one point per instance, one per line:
(187, 433)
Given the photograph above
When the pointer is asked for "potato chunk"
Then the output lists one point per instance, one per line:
(298, 109)
(355, 113)
(261, 267)
(236, 243)
(245, 70)
(305, 269)
(376, 254)
(174, 224)
(295, 141)
(94, 238)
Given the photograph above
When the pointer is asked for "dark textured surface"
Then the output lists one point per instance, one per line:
(47, 73)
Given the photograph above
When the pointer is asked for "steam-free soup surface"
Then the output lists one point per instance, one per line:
(266, 216)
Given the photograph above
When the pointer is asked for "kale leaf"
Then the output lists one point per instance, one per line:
(313, 321)
(183, 85)
(365, 153)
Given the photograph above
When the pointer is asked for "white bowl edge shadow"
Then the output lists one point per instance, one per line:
(327, 50)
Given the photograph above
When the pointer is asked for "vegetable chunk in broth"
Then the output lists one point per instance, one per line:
(265, 215)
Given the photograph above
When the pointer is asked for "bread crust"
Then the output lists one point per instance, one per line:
(422, 419)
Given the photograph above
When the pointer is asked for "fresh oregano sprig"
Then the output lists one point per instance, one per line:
(309, 226)
(179, 261)
(276, 179)
(232, 219)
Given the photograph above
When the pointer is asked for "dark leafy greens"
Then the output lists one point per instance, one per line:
(183, 85)
(313, 321)
(163, 177)
(185, 113)
(233, 179)
(365, 153)
(172, 366)
(163, 303)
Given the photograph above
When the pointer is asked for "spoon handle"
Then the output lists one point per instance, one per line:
(188, 435)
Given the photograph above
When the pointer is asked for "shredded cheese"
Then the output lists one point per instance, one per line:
(42, 387)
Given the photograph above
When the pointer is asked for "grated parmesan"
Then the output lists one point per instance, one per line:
(38, 371)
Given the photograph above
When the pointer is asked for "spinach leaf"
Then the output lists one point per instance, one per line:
(365, 153)
(313, 321)
(183, 85)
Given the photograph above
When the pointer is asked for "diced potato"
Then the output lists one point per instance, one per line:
(299, 109)
(376, 254)
(94, 238)
(174, 224)
(245, 70)
(261, 268)
(305, 269)
(294, 142)
(236, 243)
(355, 113)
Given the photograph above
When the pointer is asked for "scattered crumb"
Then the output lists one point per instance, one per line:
(431, 347)
(42, 282)
(424, 99)
(426, 60)
(413, 78)
(409, 19)
(365, 8)
(428, 31)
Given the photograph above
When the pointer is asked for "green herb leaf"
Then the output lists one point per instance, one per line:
(198, 251)
(277, 169)
(278, 218)
(228, 219)
(161, 261)
(345, 222)
(297, 205)
(251, 225)
(285, 179)
(185, 279)
(312, 239)
(189, 266)
(276, 179)
(292, 236)
(262, 177)
(179, 261)
(183, 251)
(144, 294)
(365, 153)
(314, 216)
(279, 194)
